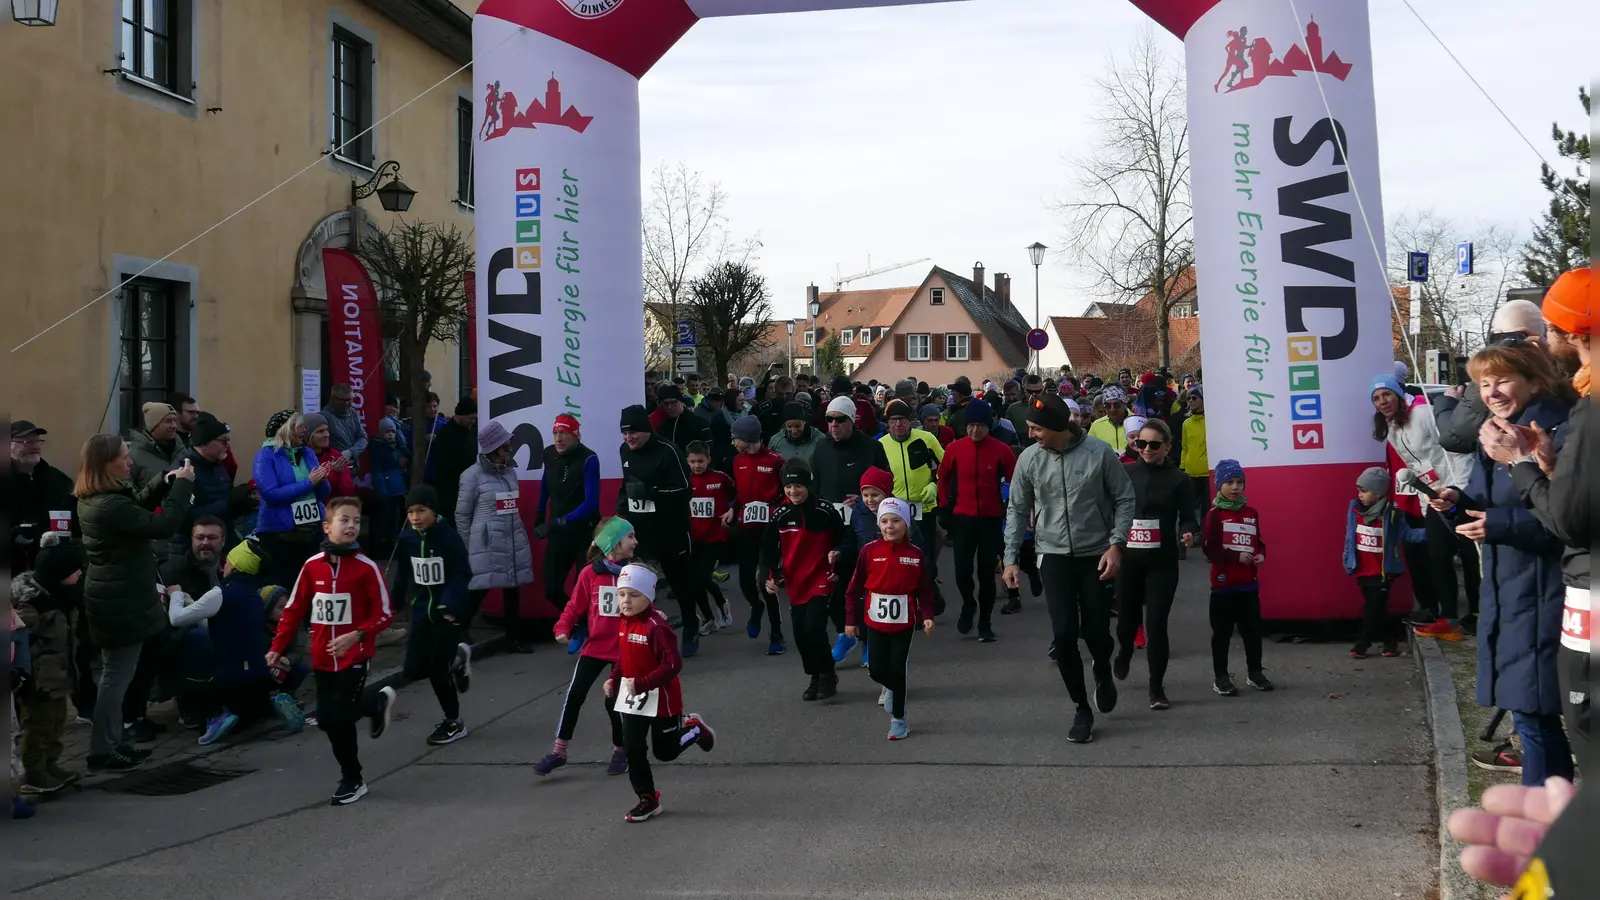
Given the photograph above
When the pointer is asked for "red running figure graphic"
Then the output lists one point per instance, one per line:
(502, 115)
(1262, 66)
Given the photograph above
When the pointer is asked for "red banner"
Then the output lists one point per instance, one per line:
(355, 337)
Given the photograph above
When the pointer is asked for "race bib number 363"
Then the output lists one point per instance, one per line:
(330, 609)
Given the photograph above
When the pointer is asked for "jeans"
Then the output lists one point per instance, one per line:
(341, 704)
(1078, 608)
(117, 669)
(747, 550)
(810, 621)
(668, 736)
(584, 674)
(979, 543)
(137, 695)
(888, 659)
(431, 654)
(44, 720)
(1145, 592)
(1545, 751)
(1241, 610)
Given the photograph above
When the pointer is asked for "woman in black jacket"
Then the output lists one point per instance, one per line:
(122, 592)
(1163, 520)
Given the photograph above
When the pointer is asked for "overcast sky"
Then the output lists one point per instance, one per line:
(941, 131)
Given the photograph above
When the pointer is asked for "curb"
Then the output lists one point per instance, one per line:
(1449, 765)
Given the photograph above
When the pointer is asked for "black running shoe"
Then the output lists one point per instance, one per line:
(648, 807)
(1223, 685)
(383, 712)
(1013, 605)
(1105, 695)
(964, 621)
(142, 731)
(1158, 699)
(1421, 617)
(1258, 680)
(1120, 666)
(348, 792)
(115, 761)
(1035, 584)
(829, 686)
(447, 732)
(811, 689)
(1052, 653)
(136, 754)
(986, 635)
(1082, 730)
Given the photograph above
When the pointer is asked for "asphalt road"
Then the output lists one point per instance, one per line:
(1321, 789)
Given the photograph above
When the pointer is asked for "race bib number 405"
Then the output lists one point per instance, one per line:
(629, 703)
(889, 609)
(702, 507)
(306, 511)
(330, 609)
(427, 571)
(1239, 536)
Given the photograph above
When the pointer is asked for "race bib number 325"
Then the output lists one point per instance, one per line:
(330, 609)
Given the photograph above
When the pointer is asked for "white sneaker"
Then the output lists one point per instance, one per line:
(724, 615)
(709, 626)
(883, 696)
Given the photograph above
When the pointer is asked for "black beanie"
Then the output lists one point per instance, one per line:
(1050, 413)
(423, 495)
(207, 429)
(838, 385)
(634, 418)
(58, 558)
(466, 406)
(794, 412)
(795, 471)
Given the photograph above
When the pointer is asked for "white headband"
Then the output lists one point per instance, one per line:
(894, 506)
(640, 579)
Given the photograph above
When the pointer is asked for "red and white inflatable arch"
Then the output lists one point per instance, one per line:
(1295, 306)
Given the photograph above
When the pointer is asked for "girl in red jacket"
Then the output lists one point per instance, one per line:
(594, 604)
(892, 577)
(1234, 544)
(710, 514)
(343, 592)
(644, 685)
(799, 550)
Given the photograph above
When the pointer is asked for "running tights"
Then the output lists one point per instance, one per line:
(1078, 609)
(1144, 597)
(889, 655)
(584, 674)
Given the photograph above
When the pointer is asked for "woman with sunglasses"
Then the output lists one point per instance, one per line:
(1163, 519)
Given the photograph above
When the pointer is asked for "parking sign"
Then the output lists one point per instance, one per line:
(1417, 269)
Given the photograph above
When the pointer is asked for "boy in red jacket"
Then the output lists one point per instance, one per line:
(759, 492)
(973, 511)
(799, 550)
(710, 514)
(644, 686)
(1233, 542)
(343, 592)
(892, 577)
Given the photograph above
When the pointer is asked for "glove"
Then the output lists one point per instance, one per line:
(1005, 491)
(541, 530)
(21, 683)
(637, 490)
(930, 494)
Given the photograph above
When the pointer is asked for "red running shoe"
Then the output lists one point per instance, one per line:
(1138, 638)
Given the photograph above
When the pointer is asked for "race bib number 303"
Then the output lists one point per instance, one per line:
(1369, 538)
(330, 609)
(631, 704)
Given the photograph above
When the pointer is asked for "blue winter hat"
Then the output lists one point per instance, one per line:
(1227, 470)
(1387, 383)
(978, 412)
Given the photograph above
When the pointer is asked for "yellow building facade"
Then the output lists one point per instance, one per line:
(138, 135)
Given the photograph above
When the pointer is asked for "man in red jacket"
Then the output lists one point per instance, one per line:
(974, 513)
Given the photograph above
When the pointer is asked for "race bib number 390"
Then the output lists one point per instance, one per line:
(757, 512)
(631, 704)
(306, 511)
(330, 609)
(702, 507)
(889, 609)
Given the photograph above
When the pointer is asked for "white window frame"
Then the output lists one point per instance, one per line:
(935, 296)
(866, 336)
(927, 347)
(847, 337)
(958, 339)
(810, 339)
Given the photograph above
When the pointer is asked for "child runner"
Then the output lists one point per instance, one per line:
(1375, 533)
(435, 572)
(892, 591)
(877, 485)
(594, 605)
(710, 514)
(342, 591)
(799, 550)
(644, 687)
(760, 492)
(1235, 546)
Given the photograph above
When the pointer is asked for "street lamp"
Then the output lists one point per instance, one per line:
(394, 196)
(813, 306)
(790, 323)
(33, 12)
(1036, 256)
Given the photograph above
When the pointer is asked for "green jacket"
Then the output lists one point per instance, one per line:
(120, 580)
(50, 636)
(1110, 432)
(914, 462)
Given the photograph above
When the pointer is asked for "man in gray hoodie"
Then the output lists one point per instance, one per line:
(1081, 503)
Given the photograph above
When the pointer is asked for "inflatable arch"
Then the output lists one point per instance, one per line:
(1295, 317)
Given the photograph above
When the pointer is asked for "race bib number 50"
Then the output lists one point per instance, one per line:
(889, 609)
(330, 609)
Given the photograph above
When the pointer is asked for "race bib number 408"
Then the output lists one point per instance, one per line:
(330, 609)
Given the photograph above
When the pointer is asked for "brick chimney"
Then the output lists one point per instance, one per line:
(1002, 287)
(977, 277)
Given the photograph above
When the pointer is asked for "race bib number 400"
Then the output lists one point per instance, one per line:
(330, 609)
(889, 609)
(1369, 538)
(641, 506)
(1145, 534)
(306, 511)
(427, 571)
(606, 601)
(629, 703)
(702, 507)
(1239, 536)
(757, 513)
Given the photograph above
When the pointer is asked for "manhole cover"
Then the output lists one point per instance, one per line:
(172, 779)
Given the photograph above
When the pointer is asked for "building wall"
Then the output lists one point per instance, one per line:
(103, 176)
(921, 317)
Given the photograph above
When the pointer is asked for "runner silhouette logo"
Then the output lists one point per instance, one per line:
(1250, 60)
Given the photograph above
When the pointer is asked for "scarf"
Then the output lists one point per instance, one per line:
(1581, 381)
(1375, 512)
(1222, 502)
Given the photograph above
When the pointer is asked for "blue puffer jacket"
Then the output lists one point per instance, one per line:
(280, 487)
(388, 478)
(1395, 533)
(1519, 616)
(433, 602)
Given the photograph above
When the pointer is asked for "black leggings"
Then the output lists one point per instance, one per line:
(810, 622)
(1236, 609)
(705, 558)
(843, 571)
(668, 736)
(1377, 626)
(1432, 565)
(747, 550)
(888, 660)
(341, 704)
(565, 548)
(510, 609)
(584, 674)
(680, 573)
(289, 551)
(1028, 563)
(1144, 597)
(431, 654)
(979, 543)
(1078, 608)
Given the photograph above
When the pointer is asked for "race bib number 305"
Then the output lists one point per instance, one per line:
(427, 571)
(330, 609)
(631, 704)
(306, 511)
(889, 609)
(606, 602)
(1239, 536)
(702, 507)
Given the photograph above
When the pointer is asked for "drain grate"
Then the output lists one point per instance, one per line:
(172, 780)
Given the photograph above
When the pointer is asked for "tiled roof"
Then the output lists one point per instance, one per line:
(1000, 322)
(1178, 285)
(1089, 341)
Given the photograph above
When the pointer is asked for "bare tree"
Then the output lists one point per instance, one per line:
(419, 272)
(1455, 309)
(1132, 228)
(731, 308)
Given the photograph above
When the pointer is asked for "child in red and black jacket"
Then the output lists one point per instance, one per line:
(644, 686)
(711, 497)
(1233, 542)
(799, 550)
(890, 593)
(343, 592)
(759, 491)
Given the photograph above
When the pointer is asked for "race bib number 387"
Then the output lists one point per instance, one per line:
(330, 609)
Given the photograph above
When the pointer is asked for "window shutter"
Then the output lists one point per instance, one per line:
(975, 346)
(937, 348)
(899, 347)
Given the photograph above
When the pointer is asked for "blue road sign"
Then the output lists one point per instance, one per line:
(1417, 267)
(1038, 339)
(686, 333)
(1464, 258)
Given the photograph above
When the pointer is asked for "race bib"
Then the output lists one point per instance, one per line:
(702, 507)
(505, 503)
(633, 704)
(916, 512)
(1239, 536)
(306, 511)
(844, 511)
(61, 520)
(427, 571)
(1145, 534)
(889, 609)
(607, 603)
(757, 513)
(641, 506)
(1404, 487)
(1577, 621)
(1429, 478)
(330, 609)
(1369, 538)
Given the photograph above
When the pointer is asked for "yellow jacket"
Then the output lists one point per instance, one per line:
(913, 462)
(1106, 430)
(1194, 446)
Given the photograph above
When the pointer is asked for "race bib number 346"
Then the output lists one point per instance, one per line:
(702, 507)
(330, 609)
